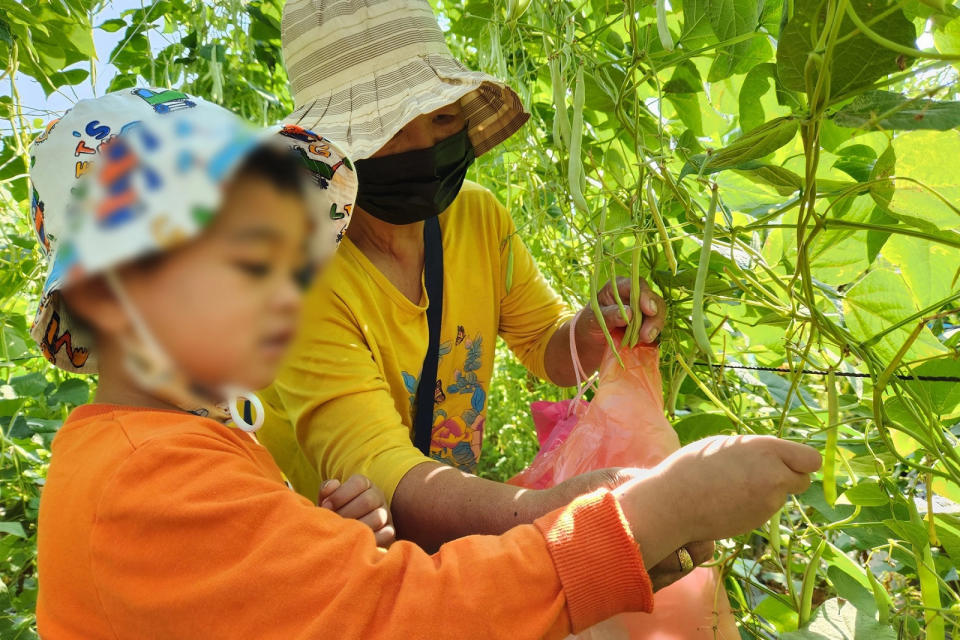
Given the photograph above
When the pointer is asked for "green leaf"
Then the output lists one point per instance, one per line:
(71, 392)
(928, 159)
(856, 161)
(685, 79)
(852, 590)
(876, 240)
(697, 31)
(857, 60)
(876, 303)
(207, 51)
(779, 613)
(947, 39)
(689, 110)
(5, 36)
(29, 385)
(867, 493)
(758, 143)
(909, 531)
(950, 542)
(927, 267)
(778, 386)
(113, 25)
(888, 110)
(81, 38)
(731, 18)
(758, 52)
(882, 189)
(786, 182)
(756, 83)
(838, 620)
(13, 529)
(700, 425)
(944, 397)
(69, 78)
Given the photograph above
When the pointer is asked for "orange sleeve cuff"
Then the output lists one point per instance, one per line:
(597, 560)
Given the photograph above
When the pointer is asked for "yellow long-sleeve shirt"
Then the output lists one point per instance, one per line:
(344, 401)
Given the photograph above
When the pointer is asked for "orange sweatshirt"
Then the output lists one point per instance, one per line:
(159, 524)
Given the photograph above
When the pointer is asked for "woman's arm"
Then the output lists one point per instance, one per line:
(434, 503)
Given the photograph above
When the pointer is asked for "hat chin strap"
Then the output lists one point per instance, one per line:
(157, 373)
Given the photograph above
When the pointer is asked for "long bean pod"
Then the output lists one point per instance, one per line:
(773, 529)
(830, 450)
(931, 523)
(809, 581)
(561, 126)
(637, 320)
(595, 284)
(880, 597)
(575, 162)
(930, 594)
(666, 40)
(661, 229)
(929, 583)
(616, 291)
(699, 321)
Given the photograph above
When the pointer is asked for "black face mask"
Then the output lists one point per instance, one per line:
(415, 185)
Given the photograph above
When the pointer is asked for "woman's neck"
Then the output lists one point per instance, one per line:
(396, 251)
(403, 243)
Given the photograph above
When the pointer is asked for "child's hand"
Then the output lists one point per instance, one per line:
(359, 499)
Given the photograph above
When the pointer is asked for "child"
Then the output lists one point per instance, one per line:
(177, 241)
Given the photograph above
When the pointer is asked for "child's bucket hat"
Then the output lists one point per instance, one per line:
(365, 68)
(139, 171)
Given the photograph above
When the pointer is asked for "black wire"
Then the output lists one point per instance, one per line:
(842, 374)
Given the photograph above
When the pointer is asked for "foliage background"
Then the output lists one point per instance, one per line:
(833, 247)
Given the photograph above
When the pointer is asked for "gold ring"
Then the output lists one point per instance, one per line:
(686, 562)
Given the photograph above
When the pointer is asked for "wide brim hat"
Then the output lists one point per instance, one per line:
(365, 68)
(138, 172)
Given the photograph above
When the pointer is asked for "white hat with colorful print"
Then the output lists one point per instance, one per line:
(135, 172)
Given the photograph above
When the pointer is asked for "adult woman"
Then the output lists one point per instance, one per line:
(382, 80)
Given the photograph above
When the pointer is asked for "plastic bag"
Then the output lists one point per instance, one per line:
(624, 426)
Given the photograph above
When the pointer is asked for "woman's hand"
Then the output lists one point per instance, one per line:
(589, 332)
(591, 342)
(359, 499)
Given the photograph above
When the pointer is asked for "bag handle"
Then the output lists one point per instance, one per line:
(584, 381)
(433, 280)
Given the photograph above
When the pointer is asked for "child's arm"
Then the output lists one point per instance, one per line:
(359, 499)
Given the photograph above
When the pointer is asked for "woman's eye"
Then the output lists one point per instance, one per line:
(443, 119)
(255, 269)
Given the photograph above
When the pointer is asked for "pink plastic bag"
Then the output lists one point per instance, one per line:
(624, 426)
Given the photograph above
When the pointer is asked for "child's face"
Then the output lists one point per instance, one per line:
(225, 306)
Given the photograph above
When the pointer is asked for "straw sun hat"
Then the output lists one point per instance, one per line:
(365, 68)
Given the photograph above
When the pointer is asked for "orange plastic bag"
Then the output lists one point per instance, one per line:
(624, 426)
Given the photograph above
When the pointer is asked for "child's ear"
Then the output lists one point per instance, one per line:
(93, 302)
